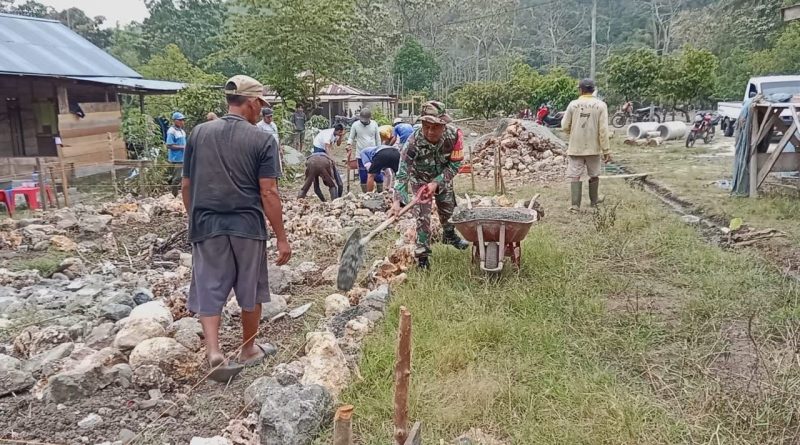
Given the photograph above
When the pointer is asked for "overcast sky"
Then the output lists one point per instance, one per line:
(122, 11)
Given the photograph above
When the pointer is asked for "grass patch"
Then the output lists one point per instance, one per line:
(604, 337)
(46, 264)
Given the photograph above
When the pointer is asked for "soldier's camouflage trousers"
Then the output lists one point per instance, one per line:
(445, 204)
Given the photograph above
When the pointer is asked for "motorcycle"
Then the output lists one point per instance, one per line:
(627, 115)
(544, 118)
(703, 127)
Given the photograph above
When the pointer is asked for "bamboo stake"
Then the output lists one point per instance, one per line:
(53, 182)
(402, 376)
(113, 166)
(42, 183)
(343, 426)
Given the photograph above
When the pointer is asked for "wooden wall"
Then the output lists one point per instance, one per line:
(85, 140)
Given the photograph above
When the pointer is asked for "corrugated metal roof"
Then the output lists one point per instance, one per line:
(46, 47)
(134, 84)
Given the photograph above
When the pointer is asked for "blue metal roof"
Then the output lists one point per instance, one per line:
(32, 46)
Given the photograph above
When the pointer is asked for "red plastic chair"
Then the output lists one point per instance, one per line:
(32, 195)
(5, 198)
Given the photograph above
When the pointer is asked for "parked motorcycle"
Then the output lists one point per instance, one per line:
(703, 127)
(543, 117)
(627, 115)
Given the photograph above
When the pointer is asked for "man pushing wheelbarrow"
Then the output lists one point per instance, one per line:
(429, 161)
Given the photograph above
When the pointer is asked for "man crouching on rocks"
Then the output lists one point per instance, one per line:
(229, 183)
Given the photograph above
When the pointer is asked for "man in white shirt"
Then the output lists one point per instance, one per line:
(267, 125)
(366, 133)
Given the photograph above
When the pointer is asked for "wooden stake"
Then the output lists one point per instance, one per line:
(142, 187)
(42, 183)
(64, 181)
(53, 182)
(402, 376)
(113, 166)
(343, 426)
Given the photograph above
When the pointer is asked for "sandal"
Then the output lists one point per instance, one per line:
(266, 350)
(223, 372)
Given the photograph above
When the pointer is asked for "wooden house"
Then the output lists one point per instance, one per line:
(60, 98)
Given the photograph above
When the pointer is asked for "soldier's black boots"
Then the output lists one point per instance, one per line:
(423, 263)
(449, 237)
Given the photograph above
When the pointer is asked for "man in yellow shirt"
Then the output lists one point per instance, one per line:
(586, 124)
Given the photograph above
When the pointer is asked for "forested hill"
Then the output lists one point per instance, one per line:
(399, 46)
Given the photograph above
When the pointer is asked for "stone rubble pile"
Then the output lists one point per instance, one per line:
(521, 150)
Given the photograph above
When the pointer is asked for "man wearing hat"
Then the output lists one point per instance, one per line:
(176, 143)
(364, 133)
(429, 162)
(401, 131)
(267, 125)
(586, 124)
(230, 183)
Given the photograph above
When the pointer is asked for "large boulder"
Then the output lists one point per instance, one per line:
(154, 310)
(12, 378)
(294, 415)
(188, 332)
(173, 359)
(82, 380)
(325, 364)
(32, 341)
(279, 281)
(136, 330)
(336, 304)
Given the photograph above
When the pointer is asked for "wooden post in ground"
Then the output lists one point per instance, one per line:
(343, 426)
(53, 182)
(402, 376)
(415, 436)
(42, 183)
(142, 185)
(113, 166)
(64, 181)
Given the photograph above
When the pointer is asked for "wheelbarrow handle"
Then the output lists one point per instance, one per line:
(391, 220)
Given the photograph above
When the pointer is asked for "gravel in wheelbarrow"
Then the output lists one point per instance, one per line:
(493, 214)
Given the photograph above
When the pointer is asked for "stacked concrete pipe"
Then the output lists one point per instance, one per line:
(640, 130)
(672, 130)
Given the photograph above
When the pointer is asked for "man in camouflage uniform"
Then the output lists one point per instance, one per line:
(428, 163)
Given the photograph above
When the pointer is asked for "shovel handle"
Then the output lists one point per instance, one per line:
(390, 221)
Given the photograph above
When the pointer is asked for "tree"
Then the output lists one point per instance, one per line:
(633, 74)
(688, 76)
(416, 67)
(195, 26)
(556, 88)
(484, 99)
(297, 45)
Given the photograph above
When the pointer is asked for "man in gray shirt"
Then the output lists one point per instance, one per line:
(229, 184)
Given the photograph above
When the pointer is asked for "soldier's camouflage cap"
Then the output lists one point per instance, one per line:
(434, 112)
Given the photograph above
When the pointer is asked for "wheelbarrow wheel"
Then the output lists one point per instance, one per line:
(492, 255)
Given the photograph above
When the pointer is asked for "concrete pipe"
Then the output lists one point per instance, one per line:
(639, 130)
(672, 130)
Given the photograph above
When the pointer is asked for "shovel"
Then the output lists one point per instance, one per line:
(353, 253)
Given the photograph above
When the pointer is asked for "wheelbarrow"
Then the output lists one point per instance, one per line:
(496, 233)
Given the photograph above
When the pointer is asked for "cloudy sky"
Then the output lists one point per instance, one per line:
(122, 11)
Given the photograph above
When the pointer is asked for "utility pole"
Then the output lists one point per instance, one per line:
(593, 62)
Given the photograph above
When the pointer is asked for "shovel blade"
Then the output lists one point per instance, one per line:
(350, 262)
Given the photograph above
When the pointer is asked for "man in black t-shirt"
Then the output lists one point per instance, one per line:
(229, 184)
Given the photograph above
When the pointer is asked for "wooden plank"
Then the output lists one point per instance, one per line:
(402, 377)
(91, 120)
(42, 183)
(64, 180)
(753, 152)
(63, 100)
(790, 13)
(99, 107)
(763, 170)
(767, 124)
(415, 435)
(113, 167)
(786, 162)
(90, 131)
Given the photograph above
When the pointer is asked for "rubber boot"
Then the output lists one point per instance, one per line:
(363, 188)
(379, 188)
(576, 187)
(594, 192)
(450, 237)
(423, 263)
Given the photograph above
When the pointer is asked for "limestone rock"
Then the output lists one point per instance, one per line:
(134, 331)
(155, 310)
(279, 281)
(174, 359)
(276, 305)
(216, 440)
(101, 336)
(12, 378)
(94, 223)
(45, 360)
(114, 311)
(90, 422)
(336, 304)
(63, 244)
(329, 274)
(289, 373)
(294, 415)
(325, 363)
(91, 374)
(142, 296)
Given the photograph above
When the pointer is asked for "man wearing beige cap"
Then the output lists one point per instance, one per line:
(586, 124)
(229, 184)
